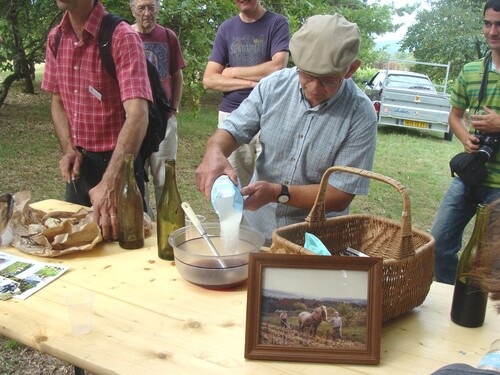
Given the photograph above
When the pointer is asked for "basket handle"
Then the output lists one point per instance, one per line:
(317, 213)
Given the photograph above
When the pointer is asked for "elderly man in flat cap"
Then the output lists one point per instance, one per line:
(310, 117)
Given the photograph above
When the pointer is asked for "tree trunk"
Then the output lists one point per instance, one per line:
(21, 64)
(6, 86)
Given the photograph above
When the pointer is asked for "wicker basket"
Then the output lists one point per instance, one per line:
(408, 255)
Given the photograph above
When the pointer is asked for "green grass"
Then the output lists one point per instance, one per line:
(418, 160)
(11, 345)
(29, 155)
(29, 150)
(194, 131)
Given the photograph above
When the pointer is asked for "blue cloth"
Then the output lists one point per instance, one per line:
(453, 215)
(300, 142)
(315, 245)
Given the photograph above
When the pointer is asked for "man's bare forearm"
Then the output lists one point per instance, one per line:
(61, 124)
(130, 137)
(257, 72)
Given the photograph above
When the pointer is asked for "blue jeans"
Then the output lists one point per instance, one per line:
(453, 215)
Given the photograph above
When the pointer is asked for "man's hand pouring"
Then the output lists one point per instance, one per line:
(215, 163)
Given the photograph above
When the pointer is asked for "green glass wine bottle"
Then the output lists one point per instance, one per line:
(469, 300)
(170, 214)
(130, 210)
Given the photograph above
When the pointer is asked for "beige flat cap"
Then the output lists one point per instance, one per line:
(325, 45)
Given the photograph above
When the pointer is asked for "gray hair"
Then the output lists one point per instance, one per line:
(157, 3)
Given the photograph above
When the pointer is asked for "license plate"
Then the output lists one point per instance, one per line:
(416, 124)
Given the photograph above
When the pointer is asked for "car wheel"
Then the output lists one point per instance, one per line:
(448, 136)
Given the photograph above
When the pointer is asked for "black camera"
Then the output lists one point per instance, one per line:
(470, 167)
(489, 144)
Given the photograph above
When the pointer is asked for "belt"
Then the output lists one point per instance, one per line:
(103, 154)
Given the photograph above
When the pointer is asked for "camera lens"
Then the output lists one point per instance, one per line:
(484, 153)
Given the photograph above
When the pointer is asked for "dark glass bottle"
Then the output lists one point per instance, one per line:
(130, 210)
(170, 214)
(469, 300)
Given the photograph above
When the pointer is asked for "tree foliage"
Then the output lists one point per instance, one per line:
(196, 23)
(451, 31)
(24, 25)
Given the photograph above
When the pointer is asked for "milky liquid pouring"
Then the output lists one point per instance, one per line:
(228, 204)
(229, 224)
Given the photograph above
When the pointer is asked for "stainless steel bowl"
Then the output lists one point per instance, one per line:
(196, 263)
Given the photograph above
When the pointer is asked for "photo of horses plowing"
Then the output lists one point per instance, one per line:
(309, 324)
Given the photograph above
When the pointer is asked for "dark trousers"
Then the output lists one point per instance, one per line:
(93, 166)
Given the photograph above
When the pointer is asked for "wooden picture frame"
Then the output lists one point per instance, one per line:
(310, 288)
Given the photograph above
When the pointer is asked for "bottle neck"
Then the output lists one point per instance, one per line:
(470, 259)
(169, 170)
(480, 231)
(129, 168)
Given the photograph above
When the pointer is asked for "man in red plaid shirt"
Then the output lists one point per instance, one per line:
(97, 120)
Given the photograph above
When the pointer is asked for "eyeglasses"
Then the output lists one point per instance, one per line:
(327, 82)
(142, 8)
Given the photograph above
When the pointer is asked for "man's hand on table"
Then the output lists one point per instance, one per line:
(104, 208)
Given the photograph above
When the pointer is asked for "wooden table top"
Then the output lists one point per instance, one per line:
(149, 320)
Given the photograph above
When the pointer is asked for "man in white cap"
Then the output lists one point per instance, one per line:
(311, 117)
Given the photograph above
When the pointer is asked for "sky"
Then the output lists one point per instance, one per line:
(407, 20)
(317, 283)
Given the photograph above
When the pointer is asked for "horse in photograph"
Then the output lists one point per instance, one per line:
(312, 320)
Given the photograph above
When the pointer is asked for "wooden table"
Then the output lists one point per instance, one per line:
(149, 320)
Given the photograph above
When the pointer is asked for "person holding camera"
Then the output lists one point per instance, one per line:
(477, 170)
(486, 123)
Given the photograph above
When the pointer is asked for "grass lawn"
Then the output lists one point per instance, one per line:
(29, 154)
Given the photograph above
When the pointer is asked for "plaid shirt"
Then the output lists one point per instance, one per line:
(300, 143)
(92, 99)
(465, 95)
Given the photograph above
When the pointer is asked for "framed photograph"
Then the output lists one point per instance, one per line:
(314, 308)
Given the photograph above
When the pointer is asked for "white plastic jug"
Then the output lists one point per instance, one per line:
(228, 204)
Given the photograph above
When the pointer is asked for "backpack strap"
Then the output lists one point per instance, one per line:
(484, 81)
(108, 26)
(57, 40)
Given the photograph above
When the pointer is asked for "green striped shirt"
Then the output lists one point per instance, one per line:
(465, 95)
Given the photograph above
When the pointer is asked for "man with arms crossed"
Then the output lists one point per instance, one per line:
(247, 48)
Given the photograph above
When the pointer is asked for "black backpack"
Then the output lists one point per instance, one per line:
(158, 110)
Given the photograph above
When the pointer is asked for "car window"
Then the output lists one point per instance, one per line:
(407, 82)
(377, 80)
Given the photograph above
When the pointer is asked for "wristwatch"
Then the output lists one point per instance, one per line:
(284, 196)
(176, 110)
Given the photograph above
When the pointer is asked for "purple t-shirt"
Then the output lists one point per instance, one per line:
(239, 43)
(163, 50)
